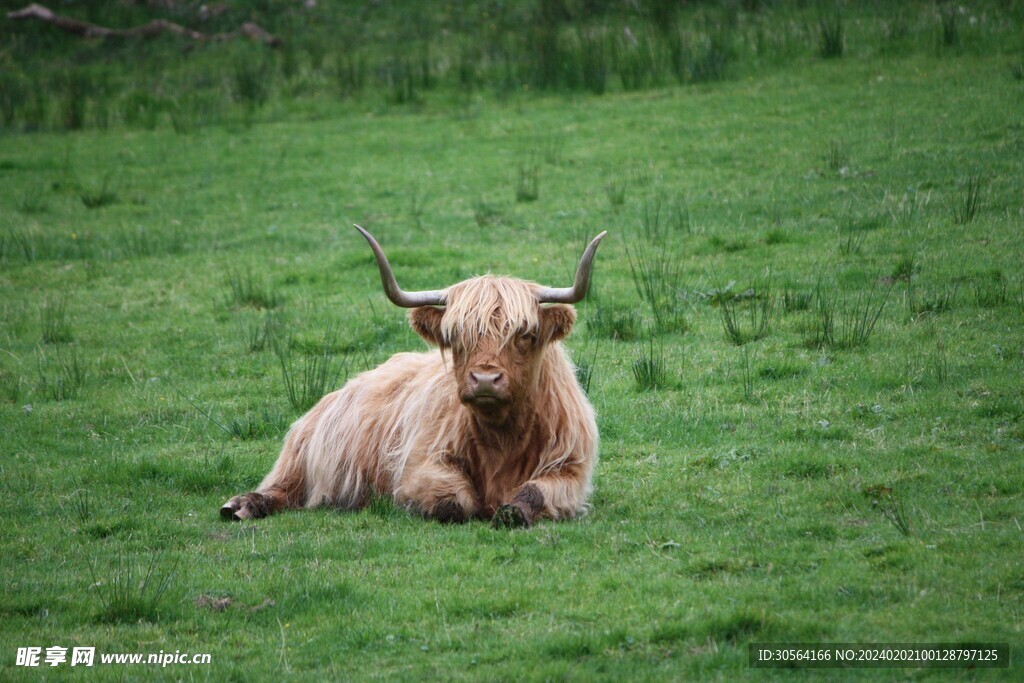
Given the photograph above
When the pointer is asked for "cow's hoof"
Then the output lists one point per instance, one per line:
(509, 517)
(449, 512)
(233, 512)
(248, 506)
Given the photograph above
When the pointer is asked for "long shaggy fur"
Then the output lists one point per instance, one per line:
(401, 429)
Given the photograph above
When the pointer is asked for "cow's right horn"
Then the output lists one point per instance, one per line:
(437, 297)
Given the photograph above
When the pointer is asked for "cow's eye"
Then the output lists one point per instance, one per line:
(527, 340)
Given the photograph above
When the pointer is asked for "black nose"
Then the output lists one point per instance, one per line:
(486, 382)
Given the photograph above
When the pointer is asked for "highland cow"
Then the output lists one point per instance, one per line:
(492, 424)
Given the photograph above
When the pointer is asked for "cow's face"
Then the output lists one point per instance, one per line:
(494, 328)
(495, 332)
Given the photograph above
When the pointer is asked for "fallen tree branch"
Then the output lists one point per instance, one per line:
(151, 29)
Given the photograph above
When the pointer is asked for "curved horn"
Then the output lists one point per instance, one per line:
(394, 292)
(570, 295)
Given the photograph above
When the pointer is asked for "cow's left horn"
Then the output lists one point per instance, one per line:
(437, 297)
(570, 295)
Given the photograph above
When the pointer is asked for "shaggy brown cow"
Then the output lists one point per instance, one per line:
(492, 424)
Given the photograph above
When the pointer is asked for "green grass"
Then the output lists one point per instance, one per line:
(864, 486)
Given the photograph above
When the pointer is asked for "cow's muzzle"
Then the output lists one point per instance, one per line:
(488, 388)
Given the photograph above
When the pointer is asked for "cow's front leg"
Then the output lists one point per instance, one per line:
(252, 505)
(556, 495)
(283, 487)
(525, 507)
(437, 491)
(256, 504)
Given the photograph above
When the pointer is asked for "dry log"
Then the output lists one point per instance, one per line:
(151, 29)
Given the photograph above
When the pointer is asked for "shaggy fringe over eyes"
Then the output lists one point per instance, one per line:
(489, 306)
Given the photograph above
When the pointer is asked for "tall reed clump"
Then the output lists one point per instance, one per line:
(98, 197)
(192, 111)
(584, 365)
(246, 288)
(32, 201)
(949, 25)
(930, 301)
(748, 376)
(486, 213)
(992, 290)
(650, 370)
(140, 109)
(404, 78)
(527, 184)
(585, 61)
(655, 259)
(939, 362)
(259, 332)
(14, 93)
(350, 67)
(308, 378)
(621, 324)
(1017, 70)
(967, 204)
(837, 157)
(615, 190)
(747, 316)
(75, 87)
(639, 61)
(10, 386)
(53, 315)
(831, 36)
(262, 424)
(701, 55)
(844, 321)
(61, 372)
(795, 300)
(129, 591)
(79, 503)
(885, 500)
(251, 81)
(544, 57)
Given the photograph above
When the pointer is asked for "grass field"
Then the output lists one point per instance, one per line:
(804, 342)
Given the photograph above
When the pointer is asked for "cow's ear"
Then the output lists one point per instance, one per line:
(426, 321)
(556, 321)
